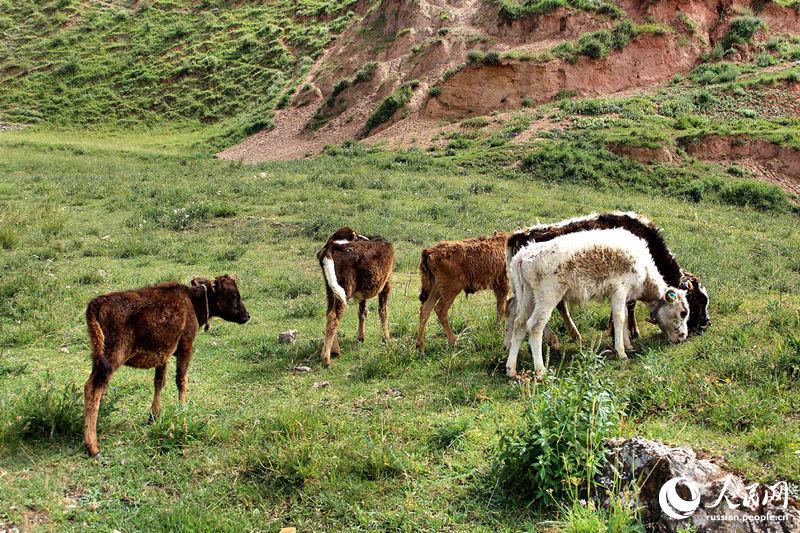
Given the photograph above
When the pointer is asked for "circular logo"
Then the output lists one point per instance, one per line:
(671, 502)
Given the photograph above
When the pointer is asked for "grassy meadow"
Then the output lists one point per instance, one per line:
(385, 439)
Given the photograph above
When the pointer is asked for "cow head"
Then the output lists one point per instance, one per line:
(698, 302)
(224, 299)
(671, 313)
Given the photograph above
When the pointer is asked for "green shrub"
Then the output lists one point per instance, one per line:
(340, 86)
(475, 56)
(765, 60)
(556, 450)
(598, 44)
(741, 31)
(389, 106)
(365, 72)
(475, 122)
(755, 194)
(513, 10)
(707, 74)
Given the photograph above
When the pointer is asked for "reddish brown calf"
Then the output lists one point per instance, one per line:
(142, 328)
(354, 266)
(449, 267)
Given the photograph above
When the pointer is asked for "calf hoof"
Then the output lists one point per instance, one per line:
(511, 373)
(622, 356)
(326, 363)
(360, 338)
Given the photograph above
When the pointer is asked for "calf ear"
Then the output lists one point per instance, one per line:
(196, 282)
(686, 285)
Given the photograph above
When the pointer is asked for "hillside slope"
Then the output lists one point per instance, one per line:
(135, 63)
(406, 75)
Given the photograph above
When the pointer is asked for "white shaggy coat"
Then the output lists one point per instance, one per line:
(610, 264)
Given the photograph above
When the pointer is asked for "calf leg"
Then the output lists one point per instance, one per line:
(158, 384)
(383, 309)
(183, 355)
(362, 316)
(501, 295)
(523, 308)
(633, 327)
(536, 326)
(618, 310)
(563, 310)
(93, 391)
(442, 308)
(334, 315)
(424, 313)
(336, 350)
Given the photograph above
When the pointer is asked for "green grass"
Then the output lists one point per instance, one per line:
(396, 441)
(390, 105)
(513, 10)
(137, 64)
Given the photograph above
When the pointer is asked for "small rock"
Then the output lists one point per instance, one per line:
(264, 175)
(63, 349)
(301, 369)
(320, 384)
(287, 337)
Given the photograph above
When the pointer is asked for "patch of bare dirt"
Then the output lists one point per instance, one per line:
(643, 154)
(765, 160)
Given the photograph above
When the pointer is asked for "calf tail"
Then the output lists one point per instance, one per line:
(426, 277)
(97, 339)
(329, 270)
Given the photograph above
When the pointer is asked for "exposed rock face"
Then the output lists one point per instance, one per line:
(745, 508)
(480, 89)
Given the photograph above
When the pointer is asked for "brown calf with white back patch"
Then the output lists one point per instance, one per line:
(143, 328)
(354, 266)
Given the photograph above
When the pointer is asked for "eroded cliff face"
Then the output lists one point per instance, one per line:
(648, 60)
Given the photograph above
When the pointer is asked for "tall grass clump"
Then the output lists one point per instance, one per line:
(513, 10)
(597, 44)
(708, 74)
(556, 451)
(389, 106)
(46, 410)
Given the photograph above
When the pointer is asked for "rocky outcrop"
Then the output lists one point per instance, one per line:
(676, 489)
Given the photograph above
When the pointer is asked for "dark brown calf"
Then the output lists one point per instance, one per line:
(144, 327)
(354, 266)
